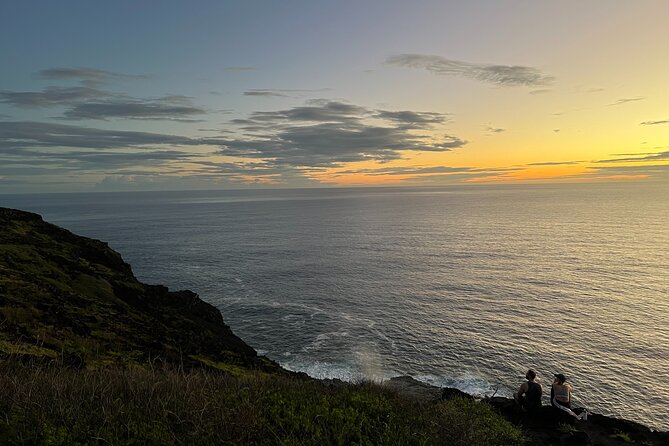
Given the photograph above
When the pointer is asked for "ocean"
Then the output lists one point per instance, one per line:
(463, 286)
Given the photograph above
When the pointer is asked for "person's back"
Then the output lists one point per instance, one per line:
(561, 392)
(529, 394)
(532, 400)
(561, 398)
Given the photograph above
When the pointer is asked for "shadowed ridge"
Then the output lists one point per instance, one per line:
(69, 298)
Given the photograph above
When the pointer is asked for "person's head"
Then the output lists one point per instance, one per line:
(560, 378)
(530, 375)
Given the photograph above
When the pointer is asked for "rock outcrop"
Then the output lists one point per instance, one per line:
(548, 426)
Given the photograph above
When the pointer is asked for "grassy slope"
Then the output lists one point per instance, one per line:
(64, 406)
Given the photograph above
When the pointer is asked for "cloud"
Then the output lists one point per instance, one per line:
(281, 92)
(665, 121)
(318, 111)
(656, 172)
(19, 135)
(555, 163)
(329, 133)
(647, 157)
(410, 119)
(643, 168)
(50, 96)
(492, 130)
(33, 153)
(625, 101)
(433, 174)
(240, 69)
(408, 171)
(502, 75)
(92, 103)
(90, 162)
(267, 93)
(174, 108)
(87, 76)
(541, 91)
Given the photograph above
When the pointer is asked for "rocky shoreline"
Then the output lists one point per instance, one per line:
(548, 427)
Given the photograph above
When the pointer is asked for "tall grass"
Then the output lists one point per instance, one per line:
(137, 406)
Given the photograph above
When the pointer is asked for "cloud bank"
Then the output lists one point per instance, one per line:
(330, 133)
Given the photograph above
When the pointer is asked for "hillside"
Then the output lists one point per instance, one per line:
(73, 299)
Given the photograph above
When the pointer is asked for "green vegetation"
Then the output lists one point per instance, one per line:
(64, 406)
(622, 436)
(567, 428)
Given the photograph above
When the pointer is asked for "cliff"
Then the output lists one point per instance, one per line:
(72, 299)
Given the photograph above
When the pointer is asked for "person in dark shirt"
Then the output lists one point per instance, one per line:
(529, 393)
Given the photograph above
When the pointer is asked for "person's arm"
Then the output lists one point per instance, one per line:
(521, 391)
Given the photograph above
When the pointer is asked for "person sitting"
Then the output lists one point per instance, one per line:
(561, 397)
(529, 393)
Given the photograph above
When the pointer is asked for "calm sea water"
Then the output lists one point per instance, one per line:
(465, 287)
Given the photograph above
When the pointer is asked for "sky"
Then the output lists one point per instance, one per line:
(167, 95)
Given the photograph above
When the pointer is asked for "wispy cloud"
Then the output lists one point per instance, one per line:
(625, 101)
(493, 130)
(87, 76)
(50, 96)
(36, 152)
(173, 108)
(502, 75)
(281, 92)
(93, 103)
(555, 163)
(20, 135)
(240, 68)
(664, 121)
(407, 171)
(266, 93)
(647, 157)
(652, 171)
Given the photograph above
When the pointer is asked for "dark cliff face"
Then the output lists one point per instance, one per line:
(73, 299)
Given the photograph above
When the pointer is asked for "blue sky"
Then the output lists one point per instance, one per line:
(209, 94)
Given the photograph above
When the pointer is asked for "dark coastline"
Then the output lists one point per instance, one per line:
(548, 427)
